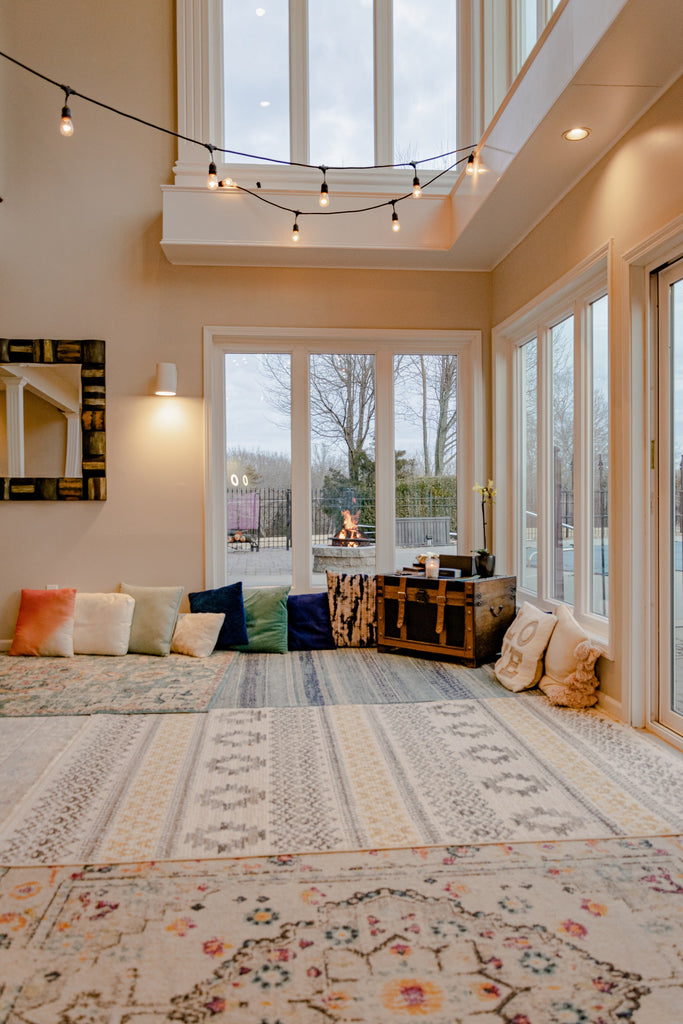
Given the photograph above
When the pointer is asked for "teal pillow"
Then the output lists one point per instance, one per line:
(266, 610)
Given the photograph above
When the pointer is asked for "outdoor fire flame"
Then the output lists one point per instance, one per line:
(350, 535)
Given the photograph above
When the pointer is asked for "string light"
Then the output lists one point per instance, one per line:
(324, 199)
(67, 128)
(417, 188)
(66, 125)
(395, 223)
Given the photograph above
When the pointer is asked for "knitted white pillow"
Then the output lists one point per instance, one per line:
(570, 677)
(520, 665)
(196, 634)
(102, 623)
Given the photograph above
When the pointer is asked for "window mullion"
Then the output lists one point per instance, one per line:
(384, 82)
(301, 473)
(545, 463)
(384, 459)
(298, 81)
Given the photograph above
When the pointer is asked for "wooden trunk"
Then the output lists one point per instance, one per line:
(459, 618)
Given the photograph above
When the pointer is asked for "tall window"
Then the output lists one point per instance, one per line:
(552, 364)
(376, 84)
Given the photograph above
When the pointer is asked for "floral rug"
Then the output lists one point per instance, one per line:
(551, 933)
(133, 684)
(260, 781)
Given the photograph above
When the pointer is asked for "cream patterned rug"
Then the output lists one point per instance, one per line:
(253, 782)
(551, 933)
(132, 684)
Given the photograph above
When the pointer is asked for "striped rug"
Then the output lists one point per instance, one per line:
(286, 780)
(349, 676)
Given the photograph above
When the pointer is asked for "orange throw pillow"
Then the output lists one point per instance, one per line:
(45, 626)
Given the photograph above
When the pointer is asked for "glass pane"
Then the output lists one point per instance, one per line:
(341, 84)
(676, 340)
(258, 468)
(425, 452)
(425, 73)
(256, 78)
(600, 537)
(529, 30)
(529, 463)
(562, 549)
(342, 400)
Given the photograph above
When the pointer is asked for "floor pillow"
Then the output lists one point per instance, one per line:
(154, 618)
(45, 624)
(230, 602)
(266, 611)
(352, 600)
(102, 623)
(308, 623)
(520, 665)
(196, 634)
(569, 677)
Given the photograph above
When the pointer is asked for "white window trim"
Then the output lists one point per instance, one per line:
(200, 102)
(569, 296)
(300, 343)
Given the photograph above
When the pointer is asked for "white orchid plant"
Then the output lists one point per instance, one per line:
(488, 496)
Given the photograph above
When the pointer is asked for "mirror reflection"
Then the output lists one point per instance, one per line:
(40, 420)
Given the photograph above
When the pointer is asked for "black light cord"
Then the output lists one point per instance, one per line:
(68, 91)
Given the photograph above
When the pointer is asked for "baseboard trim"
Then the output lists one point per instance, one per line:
(610, 706)
(5, 645)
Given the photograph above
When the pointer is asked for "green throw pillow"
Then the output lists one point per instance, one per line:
(154, 618)
(266, 610)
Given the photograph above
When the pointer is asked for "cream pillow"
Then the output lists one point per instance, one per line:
(154, 618)
(196, 634)
(520, 665)
(102, 623)
(570, 664)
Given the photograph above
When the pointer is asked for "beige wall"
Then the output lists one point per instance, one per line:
(81, 258)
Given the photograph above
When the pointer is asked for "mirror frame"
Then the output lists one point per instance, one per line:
(92, 484)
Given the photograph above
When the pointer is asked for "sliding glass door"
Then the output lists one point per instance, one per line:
(670, 496)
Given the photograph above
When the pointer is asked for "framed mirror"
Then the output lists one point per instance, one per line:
(52, 420)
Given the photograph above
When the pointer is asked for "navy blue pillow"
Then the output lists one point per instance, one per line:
(308, 623)
(228, 600)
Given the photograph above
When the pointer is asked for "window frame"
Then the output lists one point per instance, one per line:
(572, 296)
(300, 343)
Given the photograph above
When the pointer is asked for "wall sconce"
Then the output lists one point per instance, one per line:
(167, 379)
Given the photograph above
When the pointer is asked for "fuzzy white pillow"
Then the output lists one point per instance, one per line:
(520, 665)
(102, 623)
(196, 633)
(570, 677)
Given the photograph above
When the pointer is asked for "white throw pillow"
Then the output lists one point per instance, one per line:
(196, 634)
(102, 623)
(570, 677)
(520, 665)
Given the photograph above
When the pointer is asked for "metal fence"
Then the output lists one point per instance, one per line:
(275, 524)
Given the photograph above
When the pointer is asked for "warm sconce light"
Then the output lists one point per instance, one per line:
(576, 134)
(167, 379)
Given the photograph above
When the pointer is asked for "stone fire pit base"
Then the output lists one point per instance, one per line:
(343, 559)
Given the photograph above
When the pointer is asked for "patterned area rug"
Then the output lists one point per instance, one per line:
(254, 782)
(556, 933)
(350, 676)
(134, 684)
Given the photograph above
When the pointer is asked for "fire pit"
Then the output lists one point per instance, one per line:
(348, 550)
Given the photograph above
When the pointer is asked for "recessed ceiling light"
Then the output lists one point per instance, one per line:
(260, 11)
(264, 103)
(576, 134)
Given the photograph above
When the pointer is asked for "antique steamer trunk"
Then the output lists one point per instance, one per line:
(462, 618)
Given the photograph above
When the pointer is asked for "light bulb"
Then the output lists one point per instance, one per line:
(66, 125)
(324, 198)
(417, 189)
(576, 134)
(295, 232)
(471, 165)
(212, 180)
(226, 183)
(395, 225)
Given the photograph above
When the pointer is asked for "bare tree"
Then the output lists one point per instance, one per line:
(437, 413)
